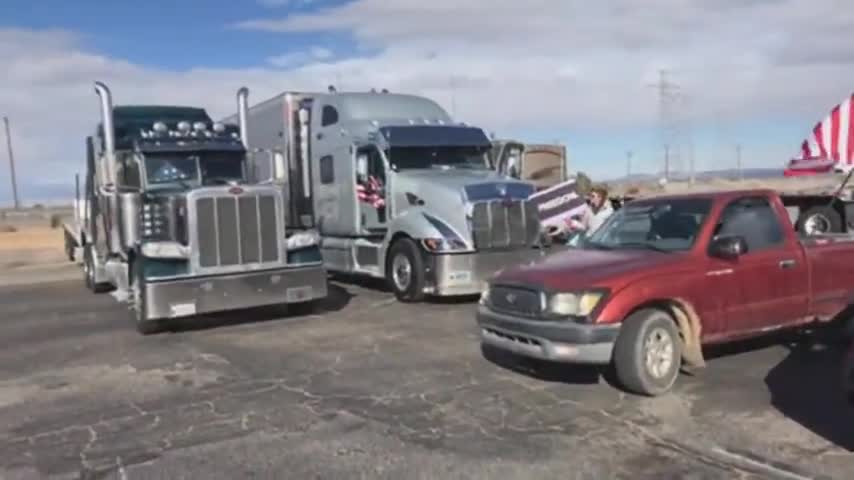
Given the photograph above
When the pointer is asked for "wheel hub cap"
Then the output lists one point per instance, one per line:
(402, 272)
(817, 224)
(658, 352)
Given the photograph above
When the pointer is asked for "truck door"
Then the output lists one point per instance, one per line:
(771, 275)
(372, 191)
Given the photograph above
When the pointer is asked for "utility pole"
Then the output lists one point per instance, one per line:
(667, 162)
(738, 169)
(629, 163)
(11, 164)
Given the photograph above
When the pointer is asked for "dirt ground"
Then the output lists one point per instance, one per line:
(29, 248)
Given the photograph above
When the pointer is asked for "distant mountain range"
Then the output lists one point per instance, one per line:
(730, 173)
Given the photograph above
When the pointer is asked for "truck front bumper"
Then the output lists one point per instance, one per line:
(192, 296)
(557, 341)
(468, 273)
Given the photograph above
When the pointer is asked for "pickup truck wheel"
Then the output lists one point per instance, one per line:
(648, 353)
(819, 219)
(405, 271)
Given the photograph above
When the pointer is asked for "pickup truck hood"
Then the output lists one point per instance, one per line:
(578, 269)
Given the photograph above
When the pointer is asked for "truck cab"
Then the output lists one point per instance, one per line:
(397, 189)
(174, 224)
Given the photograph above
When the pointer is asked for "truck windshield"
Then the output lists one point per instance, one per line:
(665, 225)
(409, 158)
(193, 169)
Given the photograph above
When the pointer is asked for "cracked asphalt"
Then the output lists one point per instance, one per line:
(370, 388)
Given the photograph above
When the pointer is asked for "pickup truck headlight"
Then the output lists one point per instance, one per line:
(577, 304)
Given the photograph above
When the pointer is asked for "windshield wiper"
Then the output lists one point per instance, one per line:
(645, 245)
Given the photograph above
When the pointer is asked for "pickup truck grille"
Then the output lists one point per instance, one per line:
(502, 224)
(237, 230)
(515, 300)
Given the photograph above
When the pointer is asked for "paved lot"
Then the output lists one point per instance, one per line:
(374, 389)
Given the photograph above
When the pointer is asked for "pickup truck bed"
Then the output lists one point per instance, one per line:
(665, 276)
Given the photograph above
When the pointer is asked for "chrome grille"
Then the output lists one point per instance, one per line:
(515, 300)
(237, 230)
(500, 224)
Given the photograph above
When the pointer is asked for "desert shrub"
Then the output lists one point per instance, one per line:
(7, 229)
(55, 220)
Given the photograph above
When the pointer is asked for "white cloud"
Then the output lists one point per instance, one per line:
(300, 58)
(539, 65)
(284, 3)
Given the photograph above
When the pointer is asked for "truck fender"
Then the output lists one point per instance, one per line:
(690, 327)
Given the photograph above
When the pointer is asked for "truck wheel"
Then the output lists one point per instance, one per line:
(819, 219)
(648, 353)
(89, 272)
(405, 271)
(138, 305)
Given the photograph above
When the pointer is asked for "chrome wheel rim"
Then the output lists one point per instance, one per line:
(658, 353)
(816, 224)
(401, 272)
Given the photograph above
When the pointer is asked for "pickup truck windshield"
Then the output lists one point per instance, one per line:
(665, 225)
(193, 169)
(408, 158)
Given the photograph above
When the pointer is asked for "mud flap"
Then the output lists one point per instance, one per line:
(690, 328)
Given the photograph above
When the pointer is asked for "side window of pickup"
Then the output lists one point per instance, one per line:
(754, 219)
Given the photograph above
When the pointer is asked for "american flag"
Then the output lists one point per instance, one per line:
(371, 193)
(831, 142)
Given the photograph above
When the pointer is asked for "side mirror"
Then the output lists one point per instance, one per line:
(361, 167)
(728, 248)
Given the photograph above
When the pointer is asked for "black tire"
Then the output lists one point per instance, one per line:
(633, 371)
(138, 305)
(405, 252)
(89, 272)
(823, 215)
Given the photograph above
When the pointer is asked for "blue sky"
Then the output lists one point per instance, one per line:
(571, 71)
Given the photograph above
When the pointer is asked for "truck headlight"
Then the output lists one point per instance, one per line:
(165, 250)
(437, 245)
(578, 304)
(300, 240)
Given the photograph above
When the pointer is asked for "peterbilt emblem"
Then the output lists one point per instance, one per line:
(235, 190)
(502, 190)
(511, 298)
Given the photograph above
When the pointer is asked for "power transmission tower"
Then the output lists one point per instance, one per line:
(11, 164)
(670, 101)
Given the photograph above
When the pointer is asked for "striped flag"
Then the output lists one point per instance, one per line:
(371, 193)
(830, 146)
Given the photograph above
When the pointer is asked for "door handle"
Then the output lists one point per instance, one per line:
(787, 264)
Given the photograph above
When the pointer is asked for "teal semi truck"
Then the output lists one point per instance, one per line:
(171, 223)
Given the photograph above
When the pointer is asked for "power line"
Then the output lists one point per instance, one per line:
(11, 163)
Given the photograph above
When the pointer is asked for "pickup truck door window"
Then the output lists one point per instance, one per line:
(771, 274)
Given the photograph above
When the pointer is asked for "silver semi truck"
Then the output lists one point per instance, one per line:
(395, 188)
(172, 223)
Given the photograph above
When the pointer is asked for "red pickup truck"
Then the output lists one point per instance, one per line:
(665, 276)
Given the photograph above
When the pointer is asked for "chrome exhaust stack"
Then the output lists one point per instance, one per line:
(242, 114)
(109, 131)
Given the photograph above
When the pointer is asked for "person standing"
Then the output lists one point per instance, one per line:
(597, 210)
